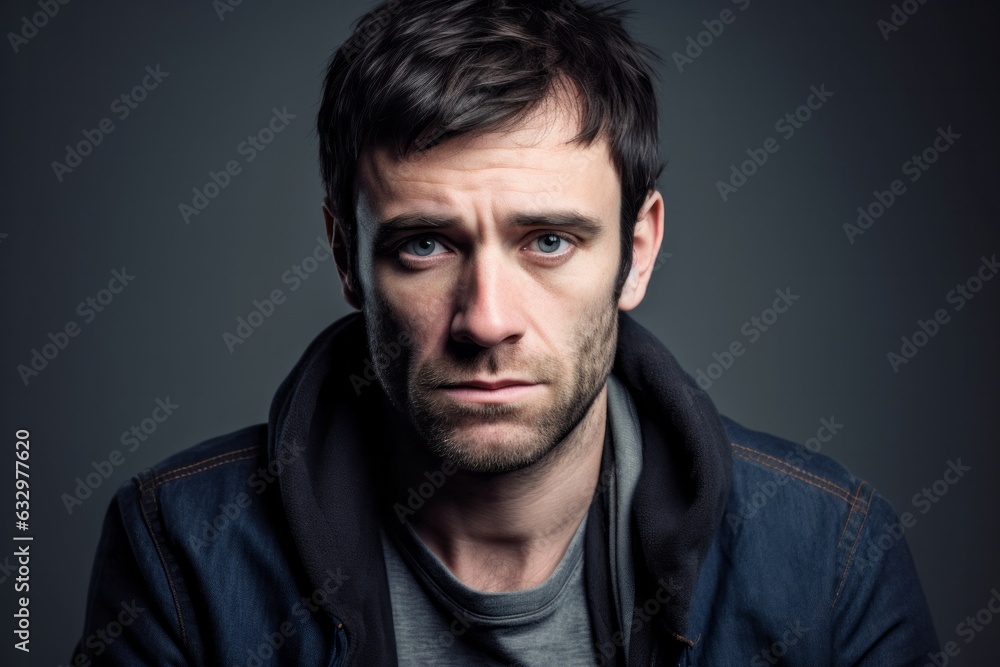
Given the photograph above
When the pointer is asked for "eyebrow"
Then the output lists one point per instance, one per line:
(386, 229)
(586, 225)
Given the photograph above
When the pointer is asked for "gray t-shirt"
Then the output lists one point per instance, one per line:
(440, 621)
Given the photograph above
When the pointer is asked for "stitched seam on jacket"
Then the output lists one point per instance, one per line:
(854, 506)
(789, 465)
(787, 469)
(850, 557)
(850, 515)
(162, 481)
(163, 562)
(155, 481)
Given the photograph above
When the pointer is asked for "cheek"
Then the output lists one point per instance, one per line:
(420, 309)
(564, 322)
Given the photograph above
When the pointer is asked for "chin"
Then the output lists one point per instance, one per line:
(493, 448)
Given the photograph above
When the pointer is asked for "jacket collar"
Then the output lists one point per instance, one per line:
(324, 427)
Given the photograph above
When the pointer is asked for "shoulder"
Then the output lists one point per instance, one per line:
(197, 483)
(205, 510)
(759, 457)
(795, 504)
(200, 531)
(802, 535)
(213, 463)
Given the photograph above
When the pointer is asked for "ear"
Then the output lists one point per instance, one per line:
(646, 240)
(341, 254)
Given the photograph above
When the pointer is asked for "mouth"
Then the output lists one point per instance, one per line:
(491, 391)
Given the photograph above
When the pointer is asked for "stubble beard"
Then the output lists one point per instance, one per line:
(520, 435)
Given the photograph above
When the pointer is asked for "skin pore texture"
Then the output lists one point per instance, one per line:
(497, 254)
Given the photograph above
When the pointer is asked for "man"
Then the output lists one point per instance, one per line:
(491, 463)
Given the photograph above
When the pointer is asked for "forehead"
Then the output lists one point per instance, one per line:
(531, 167)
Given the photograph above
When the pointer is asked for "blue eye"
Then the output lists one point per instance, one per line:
(550, 243)
(423, 246)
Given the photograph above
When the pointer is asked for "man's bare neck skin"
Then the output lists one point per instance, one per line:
(508, 531)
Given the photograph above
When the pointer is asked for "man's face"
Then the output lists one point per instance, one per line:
(497, 254)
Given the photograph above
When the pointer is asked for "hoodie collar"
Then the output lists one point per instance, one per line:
(324, 427)
(683, 487)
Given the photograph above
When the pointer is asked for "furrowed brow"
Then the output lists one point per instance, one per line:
(386, 229)
(583, 224)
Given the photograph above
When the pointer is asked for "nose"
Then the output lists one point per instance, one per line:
(488, 310)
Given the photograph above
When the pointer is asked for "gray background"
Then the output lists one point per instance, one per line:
(826, 357)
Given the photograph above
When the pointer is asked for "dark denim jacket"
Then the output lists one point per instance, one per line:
(261, 547)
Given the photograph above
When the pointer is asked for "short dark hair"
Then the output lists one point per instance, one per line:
(415, 73)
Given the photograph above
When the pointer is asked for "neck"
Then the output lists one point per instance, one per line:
(505, 531)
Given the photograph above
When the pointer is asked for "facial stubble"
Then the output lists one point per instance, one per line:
(521, 434)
